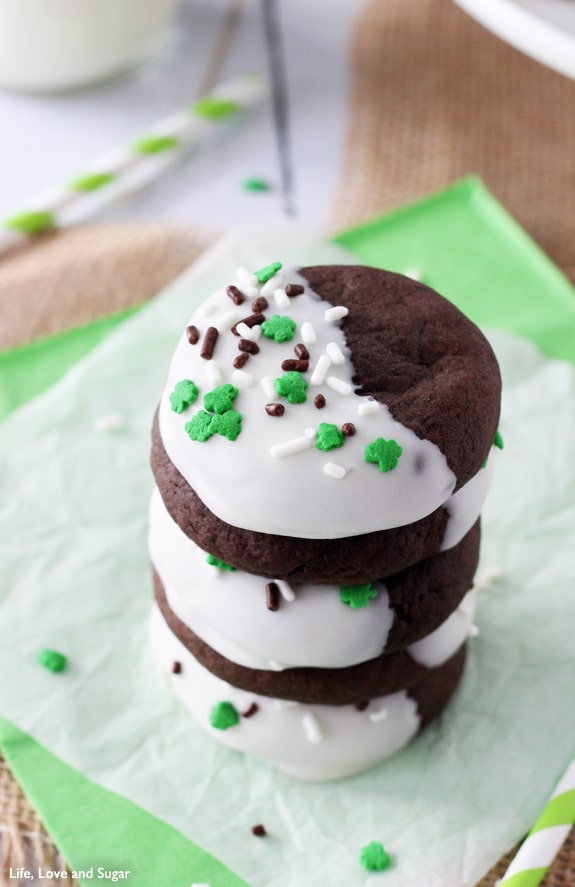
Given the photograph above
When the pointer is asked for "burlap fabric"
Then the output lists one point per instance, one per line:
(433, 97)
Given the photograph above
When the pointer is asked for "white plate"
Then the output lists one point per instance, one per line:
(544, 29)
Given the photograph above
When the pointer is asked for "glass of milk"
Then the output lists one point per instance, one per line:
(58, 45)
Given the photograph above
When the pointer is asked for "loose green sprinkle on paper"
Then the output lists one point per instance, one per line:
(229, 424)
(223, 716)
(214, 109)
(156, 144)
(184, 394)
(198, 428)
(498, 441)
(256, 185)
(385, 453)
(374, 858)
(329, 437)
(279, 327)
(214, 561)
(291, 386)
(264, 274)
(221, 399)
(357, 596)
(52, 660)
(92, 181)
(30, 223)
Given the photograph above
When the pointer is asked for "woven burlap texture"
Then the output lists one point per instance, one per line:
(433, 97)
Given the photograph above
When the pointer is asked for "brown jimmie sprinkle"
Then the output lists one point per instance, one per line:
(294, 289)
(247, 345)
(301, 351)
(250, 710)
(319, 401)
(176, 668)
(361, 706)
(259, 831)
(260, 304)
(348, 429)
(209, 343)
(272, 596)
(241, 360)
(235, 295)
(251, 320)
(193, 334)
(298, 366)
(275, 409)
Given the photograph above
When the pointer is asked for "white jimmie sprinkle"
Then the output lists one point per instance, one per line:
(207, 309)
(310, 432)
(110, 422)
(213, 372)
(320, 370)
(332, 315)
(286, 590)
(334, 470)
(242, 379)
(308, 333)
(284, 704)
(473, 631)
(368, 408)
(252, 333)
(335, 353)
(275, 665)
(339, 385)
(290, 447)
(311, 728)
(267, 384)
(272, 284)
(281, 298)
(378, 715)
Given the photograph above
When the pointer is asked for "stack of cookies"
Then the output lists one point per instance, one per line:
(322, 451)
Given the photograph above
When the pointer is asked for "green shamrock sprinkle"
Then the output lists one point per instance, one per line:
(199, 426)
(268, 271)
(329, 437)
(256, 185)
(291, 386)
(384, 453)
(92, 181)
(52, 660)
(374, 858)
(156, 144)
(183, 395)
(228, 425)
(279, 327)
(214, 561)
(30, 223)
(357, 596)
(498, 441)
(211, 108)
(221, 399)
(224, 715)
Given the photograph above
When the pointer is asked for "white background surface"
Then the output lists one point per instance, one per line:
(46, 140)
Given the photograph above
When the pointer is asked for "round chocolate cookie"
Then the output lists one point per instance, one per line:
(386, 674)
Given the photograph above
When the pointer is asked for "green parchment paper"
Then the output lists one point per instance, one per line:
(73, 506)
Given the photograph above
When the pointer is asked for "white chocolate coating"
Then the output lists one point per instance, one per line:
(312, 742)
(313, 627)
(266, 486)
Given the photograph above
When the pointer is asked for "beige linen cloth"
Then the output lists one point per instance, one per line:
(433, 97)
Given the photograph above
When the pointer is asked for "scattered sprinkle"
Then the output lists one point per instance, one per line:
(92, 181)
(235, 295)
(283, 704)
(465, 608)
(259, 304)
(294, 289)
(279, 327)
(252, 333)
(378, 715)
(209, 343)
(250, 710)
(281, 298)
(176, 668)
(207, 308)
(275, 409)
(275, 665)
(31, 223)
(259, 831)
(295, 365)
(286, 590)
(242, 379)
(213, 372)
(271, 285)
(192, 334)
(357, 596)
(335, 353)
(368, 408)
(310, 432)
(329, 437)
(301, 351)
(264, 274)
(110, 422)
(268, 385)
(272, 597)
(251, 279)
(308, 333)
(221, 399)
(240, 360)
(249, 346)
(212, 108)
(312, 729)
(332, 315)
(339, 385)
(241, 274)
(320, 370)
(199, 426)
(214, 561)
(498, 441)
(348, 429)
(374, 858)
(184, 394)
(473, 631)
(227, 424)
(319, 401)
(290, 447)
(250, 321)
(256, 186)
(414, 273)
(384, 453)
(361, 706)
(156, 144)
(224, 715)
(52, 660)
(225, 321)
(292, 386)
(332, 469)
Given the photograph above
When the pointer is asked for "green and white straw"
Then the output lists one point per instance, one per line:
(544, 841)
(137, 163)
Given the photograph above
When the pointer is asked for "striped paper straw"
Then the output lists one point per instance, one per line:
(137, 163)
(543, 842)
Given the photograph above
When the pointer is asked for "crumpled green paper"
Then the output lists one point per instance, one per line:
(73, 503)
